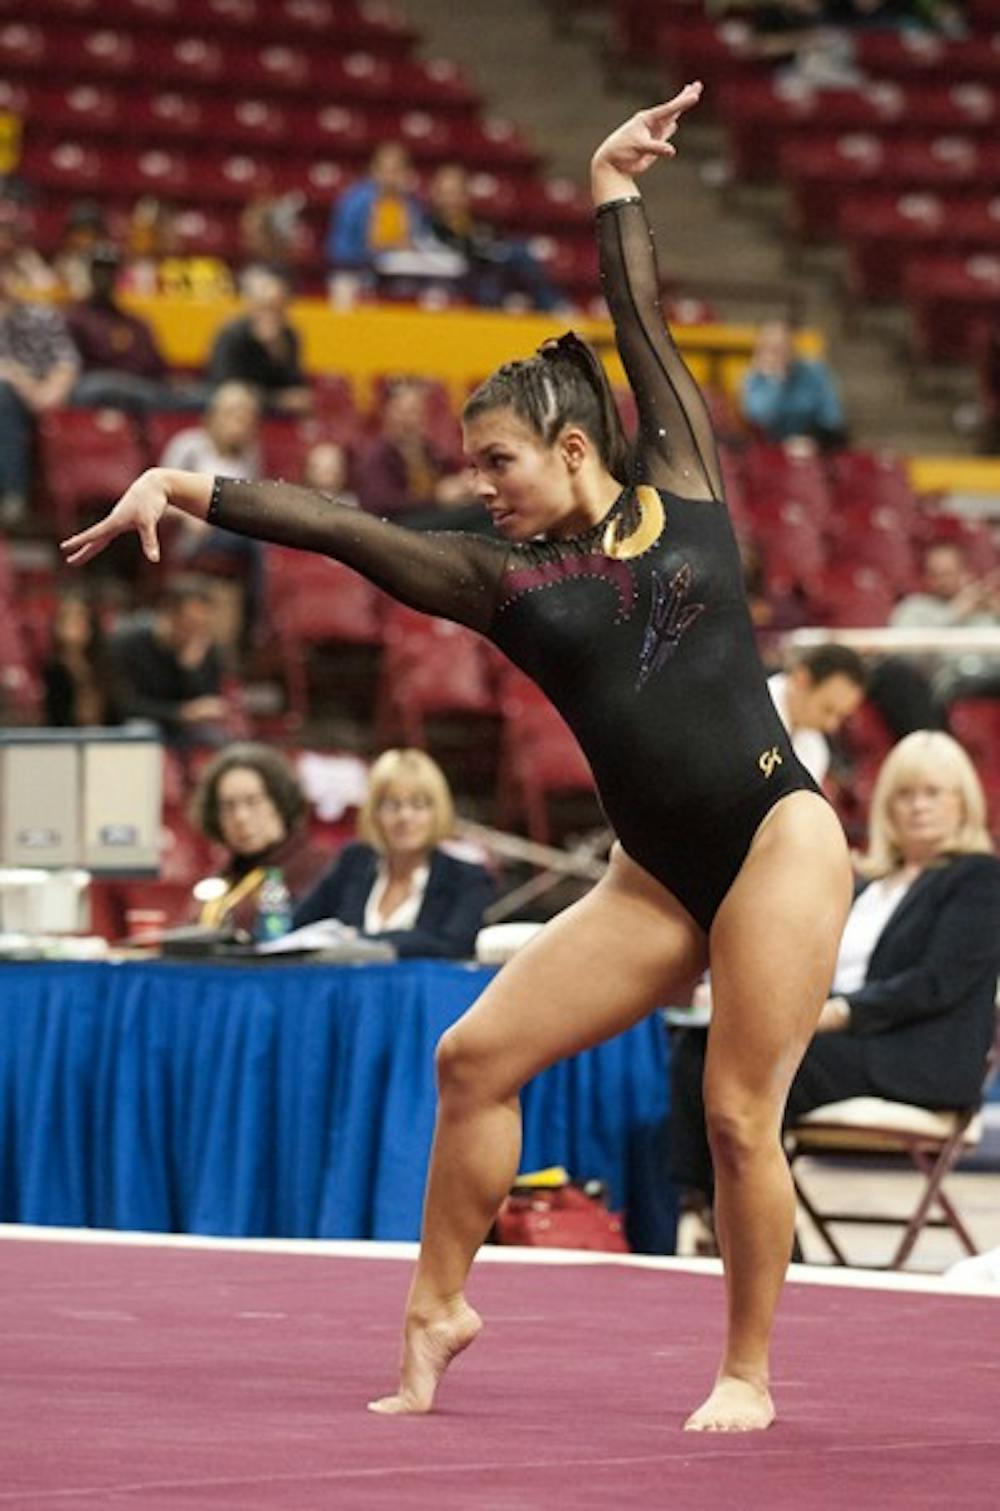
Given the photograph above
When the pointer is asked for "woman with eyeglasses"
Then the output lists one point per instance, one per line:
(397, 884)
(249, 800)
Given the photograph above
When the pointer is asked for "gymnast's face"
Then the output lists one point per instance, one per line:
(526, 485)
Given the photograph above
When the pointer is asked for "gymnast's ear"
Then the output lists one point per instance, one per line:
(575, 446)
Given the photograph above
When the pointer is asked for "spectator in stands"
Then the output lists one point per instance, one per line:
(498, 271)
(75, 673)
(122, 365)
(250, 800)
(823, 687)
(378, 217)
(398, 885)
(399, 472)
(170, 671)
(916, 694)
(786, 396)
(226, 444)
(270, 229)
(30, 273)
(85, 228)
(327, 467)
(38, 367)
(261, 348)
(912, 1011)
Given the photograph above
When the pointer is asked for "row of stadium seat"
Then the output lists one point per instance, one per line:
(351, 23)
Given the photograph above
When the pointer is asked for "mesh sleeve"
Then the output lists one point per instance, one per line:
(676, 449)
(447, 573)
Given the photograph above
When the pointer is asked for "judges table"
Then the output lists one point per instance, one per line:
(292, 1100)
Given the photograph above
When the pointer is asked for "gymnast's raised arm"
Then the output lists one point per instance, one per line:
(677, 449)
(453, 575)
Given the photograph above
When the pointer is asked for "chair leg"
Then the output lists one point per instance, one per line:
(933, 1172)
(816, 1217)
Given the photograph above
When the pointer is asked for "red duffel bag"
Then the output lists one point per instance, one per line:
(560, 1217)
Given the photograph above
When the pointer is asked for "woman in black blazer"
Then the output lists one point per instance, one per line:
(397, 885)
(913, 1013)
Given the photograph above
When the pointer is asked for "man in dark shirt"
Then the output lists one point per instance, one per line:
(399, 472)
(170, 672)
(262, 347)
(123, 367)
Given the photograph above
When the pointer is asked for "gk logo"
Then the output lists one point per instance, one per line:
(769, 759)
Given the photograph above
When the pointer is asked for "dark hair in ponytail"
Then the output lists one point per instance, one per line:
(564, 383)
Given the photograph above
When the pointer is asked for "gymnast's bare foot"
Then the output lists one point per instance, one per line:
(429, 1345)
(735, 1405)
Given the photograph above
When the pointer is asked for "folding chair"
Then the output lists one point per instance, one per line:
(862, 1127)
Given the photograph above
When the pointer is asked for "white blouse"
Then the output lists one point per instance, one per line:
(865, 922)
(405, 914)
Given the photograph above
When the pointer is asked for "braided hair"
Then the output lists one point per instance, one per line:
(564, 383)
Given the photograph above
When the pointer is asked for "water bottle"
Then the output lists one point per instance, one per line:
(274, 907)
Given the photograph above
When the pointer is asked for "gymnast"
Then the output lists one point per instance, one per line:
(614, 581)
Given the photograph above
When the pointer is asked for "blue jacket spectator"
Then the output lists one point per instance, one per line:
(378, 214)
(786, 396)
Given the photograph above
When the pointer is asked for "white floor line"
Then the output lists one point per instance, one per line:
(316, 1248)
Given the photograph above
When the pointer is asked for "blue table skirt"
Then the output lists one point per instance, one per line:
(287, 1100)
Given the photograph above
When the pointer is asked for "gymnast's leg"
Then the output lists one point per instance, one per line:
(773, 947)
(595, 970)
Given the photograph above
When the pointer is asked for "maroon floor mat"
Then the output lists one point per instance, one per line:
(231, 1381)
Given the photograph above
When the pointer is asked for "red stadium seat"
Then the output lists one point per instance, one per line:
(912, 55)
(875, 537)
(821, 174)
(540, 760)
(791, 545)
(313, 601)
(430, 669)
(849, 596)
(976, 722)
(790, 472)
(87, 458)
(873, 478)
(67, 167)
(951, 298)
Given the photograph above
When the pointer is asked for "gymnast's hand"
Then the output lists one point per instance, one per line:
(141, 509)
(645, 136)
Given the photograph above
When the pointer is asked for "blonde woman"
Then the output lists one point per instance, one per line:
(397, 884)
(912, 1013)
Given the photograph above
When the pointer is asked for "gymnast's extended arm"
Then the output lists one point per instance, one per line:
(447, 573)
(676, 446)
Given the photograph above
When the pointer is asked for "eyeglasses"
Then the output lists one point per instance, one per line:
(252, 802)
(418, 802)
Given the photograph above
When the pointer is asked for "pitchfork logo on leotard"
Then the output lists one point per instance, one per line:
(669, 617)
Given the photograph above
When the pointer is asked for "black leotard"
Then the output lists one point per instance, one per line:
(637, 630)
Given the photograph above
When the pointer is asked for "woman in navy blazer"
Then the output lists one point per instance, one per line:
(397, 885)
(914, 1011)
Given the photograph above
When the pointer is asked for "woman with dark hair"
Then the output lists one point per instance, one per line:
(76, 674)
(617, 586)
(250, 801)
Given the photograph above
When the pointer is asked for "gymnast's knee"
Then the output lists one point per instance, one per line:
(740, 1130)
(467, 1072)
